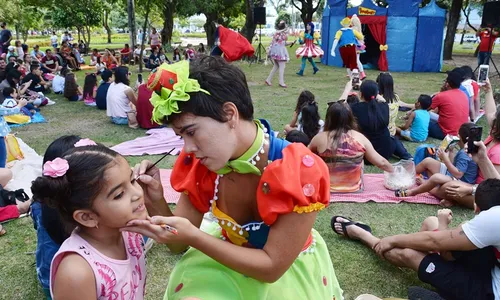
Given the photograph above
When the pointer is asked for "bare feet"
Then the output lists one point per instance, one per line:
(2, 231)
(444, 218)
(446, 203)
(23, 207)
(420, 180)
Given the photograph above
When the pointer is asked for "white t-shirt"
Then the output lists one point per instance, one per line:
(100, 67)
(482, 231)
(468, 86)
(58, 84)
(53, 39)
(320, 122)
(117, 102)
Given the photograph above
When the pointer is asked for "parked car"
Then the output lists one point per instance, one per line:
(469, 38)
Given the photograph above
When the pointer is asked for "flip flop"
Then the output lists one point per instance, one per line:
(345, 224)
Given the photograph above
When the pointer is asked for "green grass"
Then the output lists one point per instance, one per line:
(358, 269)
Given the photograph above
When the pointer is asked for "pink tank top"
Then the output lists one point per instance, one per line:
(115, 279)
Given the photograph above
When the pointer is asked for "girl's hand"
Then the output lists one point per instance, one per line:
(150, 182)
(456, 190)
(443, 155)
(152, 227)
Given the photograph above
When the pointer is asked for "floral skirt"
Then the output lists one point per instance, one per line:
(311, 276)
(278, 52)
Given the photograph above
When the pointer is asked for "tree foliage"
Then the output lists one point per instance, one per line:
(307, 8)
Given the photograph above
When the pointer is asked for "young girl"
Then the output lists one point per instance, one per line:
(308, 49)
(19, 49)
(95, 192)
(310, 122)
(305, 98)
(177, 55)
(72, 91)
(99, 66)
(90, 89)
(264, 193)
(50, 230)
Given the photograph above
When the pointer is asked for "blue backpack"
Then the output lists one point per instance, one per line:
(423, 151)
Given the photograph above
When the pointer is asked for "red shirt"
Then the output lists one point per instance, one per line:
(453, 108)
(49, 61)
(484, 45)
(125, 51)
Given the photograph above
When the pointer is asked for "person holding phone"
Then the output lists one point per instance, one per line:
(462, 193)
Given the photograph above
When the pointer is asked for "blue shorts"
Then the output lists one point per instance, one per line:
(119, 120)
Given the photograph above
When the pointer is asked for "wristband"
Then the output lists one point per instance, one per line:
(474, 188)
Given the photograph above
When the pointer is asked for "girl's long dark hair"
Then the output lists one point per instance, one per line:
(89, 85)
(70, 86)
(304, 97)
(339, 120)
(386, 87)
(369, 92)
(310, 119)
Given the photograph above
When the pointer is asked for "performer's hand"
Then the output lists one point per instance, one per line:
(333, 53)
(152, 227)
(150, 182)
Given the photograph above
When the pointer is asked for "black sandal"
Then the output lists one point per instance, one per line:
(21, 195)
(401, 193)
(345, 224)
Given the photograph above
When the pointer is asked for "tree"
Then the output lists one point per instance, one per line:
(307, 9)
(82, 16)
(249, 28)
(107, 6)
(118, 19)
(131, 22)
(144, 27)
(283, 16)
(22, 16)
(279, 5)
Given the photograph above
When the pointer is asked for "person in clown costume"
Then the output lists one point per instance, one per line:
(262, 194)
(308, 49)
(346, 38)
(360, 45)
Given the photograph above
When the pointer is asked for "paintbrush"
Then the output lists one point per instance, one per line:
(150, 167)
(169, 228)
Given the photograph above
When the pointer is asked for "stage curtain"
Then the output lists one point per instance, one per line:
(379, 32)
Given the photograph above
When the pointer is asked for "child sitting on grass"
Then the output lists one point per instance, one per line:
(90, 89)
(416, 128)
(72, 91)
(296, 136)
(462, 168)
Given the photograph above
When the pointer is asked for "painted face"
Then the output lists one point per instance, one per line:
(122, 199)
(211, 141)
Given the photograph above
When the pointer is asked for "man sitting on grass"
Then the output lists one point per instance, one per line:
(461, 263)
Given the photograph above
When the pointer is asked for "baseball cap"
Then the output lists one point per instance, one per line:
(106, 75)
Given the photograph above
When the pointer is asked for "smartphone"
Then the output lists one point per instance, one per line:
(475, 135)
(355, 80)
(483, 73)
(139, 78)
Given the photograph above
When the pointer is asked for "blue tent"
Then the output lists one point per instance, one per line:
(402, 37)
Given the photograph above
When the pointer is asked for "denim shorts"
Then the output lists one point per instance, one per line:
(119, 120)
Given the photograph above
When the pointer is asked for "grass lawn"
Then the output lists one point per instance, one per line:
(358, 269)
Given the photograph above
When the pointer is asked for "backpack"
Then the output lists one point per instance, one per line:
(424, 151)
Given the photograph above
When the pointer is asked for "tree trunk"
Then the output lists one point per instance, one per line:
(451, 29)
(131, 22)
(25, 36)
(79, 37)
(86, 40)
(248, 30)
(144, 27)
(168, 24)
(462, 38)
(17, 31)
(105, 24)
(210, 28)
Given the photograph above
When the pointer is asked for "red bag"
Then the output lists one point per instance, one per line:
(234, 45)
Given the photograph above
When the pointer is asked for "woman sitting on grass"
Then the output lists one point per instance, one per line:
(72, 91)
(120, 97)
(344, 149)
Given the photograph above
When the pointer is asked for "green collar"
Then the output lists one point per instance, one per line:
(246, 163)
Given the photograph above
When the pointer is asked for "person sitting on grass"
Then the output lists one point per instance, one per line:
(90, 89)
(58, 81)
(416, 128)
(49, 63)
(93, 57)
(10, 211)
(461, 263)
(38, 84)
(125, 54)
(463, 168)
(344, 149)
(102, 90)
(312, 123)
(72, 91)
(296, 136)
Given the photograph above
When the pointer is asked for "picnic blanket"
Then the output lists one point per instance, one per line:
(157, 141)
(26, 170)
(374, 191)
(37, 118)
